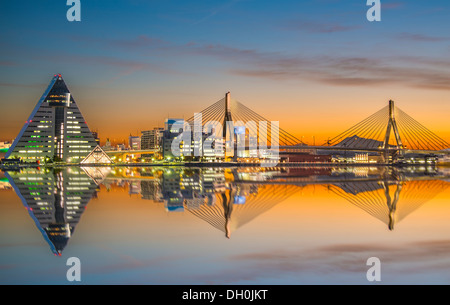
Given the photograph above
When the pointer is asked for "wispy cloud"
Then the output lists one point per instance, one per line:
(129, 262)
(7, 64)
(217, 10)
(140, 42)
(8, 267)
(339, 70)
(120, 66)
(22, 85)
(320, 27)
(421, 37)
(391, 5)
(332, 264)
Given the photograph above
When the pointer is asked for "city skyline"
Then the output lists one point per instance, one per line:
(113, 140)
(322, 61)
(224, 142)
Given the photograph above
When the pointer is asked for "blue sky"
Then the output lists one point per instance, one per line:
(186, 54)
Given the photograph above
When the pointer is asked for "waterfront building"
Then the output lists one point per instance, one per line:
(5, 145)
(97, 156)
(150, 139)
(205, 147)
(134, 142)
(108, 145)
(96, 138)
(213, 147)
(170, 133)
(56, 130)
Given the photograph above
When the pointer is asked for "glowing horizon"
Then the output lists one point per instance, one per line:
(310, 134)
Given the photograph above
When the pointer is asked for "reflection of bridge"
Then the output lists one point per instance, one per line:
(237, 205)
(389, 202)
(226, 199)
(385, 193)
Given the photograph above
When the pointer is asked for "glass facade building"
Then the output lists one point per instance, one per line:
(150, 139)
(56, 130)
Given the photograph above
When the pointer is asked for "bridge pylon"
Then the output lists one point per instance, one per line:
(392, 126)
(392, 203)
(228, 128)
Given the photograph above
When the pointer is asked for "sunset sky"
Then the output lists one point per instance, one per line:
(317, 66)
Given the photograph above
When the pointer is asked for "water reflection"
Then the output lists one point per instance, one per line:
(226, 199)
(55, 200)
(389, 201)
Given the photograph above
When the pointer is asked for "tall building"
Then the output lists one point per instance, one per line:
(96, 137)
(172, 131)
(108, 145)
(199, 146)
(134, 142)
(150, 139)
(5, 145)
(55, 130)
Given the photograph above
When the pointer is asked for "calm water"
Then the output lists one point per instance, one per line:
(225, 226)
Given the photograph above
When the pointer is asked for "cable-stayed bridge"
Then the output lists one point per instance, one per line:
(391, 132)
(231, 110)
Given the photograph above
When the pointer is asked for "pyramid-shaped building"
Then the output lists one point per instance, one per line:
(55, 130)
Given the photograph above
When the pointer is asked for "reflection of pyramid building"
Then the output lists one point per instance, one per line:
(97, 174)
(55, 201)
(389, 202)
(55, 129)
(241, 204)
